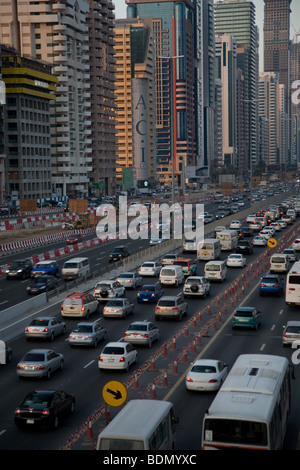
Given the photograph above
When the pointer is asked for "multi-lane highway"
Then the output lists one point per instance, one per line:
(82, 377)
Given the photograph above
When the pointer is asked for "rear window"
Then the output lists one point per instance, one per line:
(114, 303)
(212, 267)
(293, 329)
(205, 369)
(167, 272)
(113, 350)
(166, 303)
(72, 301)
(83, 329)
(294, 279)
(243, 313)
(148, 289)
(278, 259)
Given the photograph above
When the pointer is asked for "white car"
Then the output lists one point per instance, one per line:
(282, 223)
(259, 241)
(130, 280)
(256, 226)
(149, 268)
(117, 355)
(266, 234)
(276, 226)
(206, 375)
(105, 290)
(291, 254)
(250, 218)
(235, 224)
(296, 244)
(156, 241)
(236, 260)
(168, 259)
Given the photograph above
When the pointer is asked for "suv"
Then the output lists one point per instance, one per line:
(105, 290)
(19, 269)
(271, 284)
(244, 246)
(248, 317)
(196, 286)
(119, 252)
(171, 306)
(79, 305)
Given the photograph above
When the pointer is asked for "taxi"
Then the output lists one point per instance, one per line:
(189, 266)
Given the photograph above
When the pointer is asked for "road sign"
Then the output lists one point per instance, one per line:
(272, 242)
(114, 393)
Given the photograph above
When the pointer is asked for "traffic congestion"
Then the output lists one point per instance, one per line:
(115, 328)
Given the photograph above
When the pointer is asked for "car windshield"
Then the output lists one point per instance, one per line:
(16, 264)
(204, 369)
(40, 280)
(43, 265)
(115, 303)
(83, 329)
(139, 327)
(113, 350)
(117, 250)
(70, 265)
(148, 288)
(33, 357)
(39, 322)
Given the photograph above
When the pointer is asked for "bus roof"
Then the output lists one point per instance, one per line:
(137, 419)
(295, 269)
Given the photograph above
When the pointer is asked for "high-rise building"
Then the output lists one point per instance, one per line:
(268, 113)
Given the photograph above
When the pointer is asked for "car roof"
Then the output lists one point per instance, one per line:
(245, 309)
(270, 276)
(77, 295)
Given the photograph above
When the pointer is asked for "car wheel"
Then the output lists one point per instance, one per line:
(72, 407)
(150, 343)
(52, 336)
(64, 330)
(55, 422)
(95, 343)
(61, 365)
(48, 374)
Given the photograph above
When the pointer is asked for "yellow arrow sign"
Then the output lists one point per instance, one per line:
(272, 242)
(114, 393)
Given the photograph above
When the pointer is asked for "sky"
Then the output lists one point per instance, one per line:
(120, 12)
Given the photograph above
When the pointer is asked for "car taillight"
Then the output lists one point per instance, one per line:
(100, 358)
(174, 308)
(82, 309)
(46, 412)
(122, 359)
(145, 335)
(276, 285)
(188, 379)
(157, 308)
(152, 295)
(45, 330)
(213, 381)
(26, 329)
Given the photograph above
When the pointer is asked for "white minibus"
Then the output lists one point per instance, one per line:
(279, 263)
(228, 239)
(140, 425)
(76, 267)
(292, 289)
(209, 249)
(215, 270)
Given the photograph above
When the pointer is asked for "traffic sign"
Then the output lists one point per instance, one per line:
(114, 393)
(272, 242)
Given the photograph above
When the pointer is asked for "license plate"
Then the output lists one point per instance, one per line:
(30, 421)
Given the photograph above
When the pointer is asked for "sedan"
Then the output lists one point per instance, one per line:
(40, 284)
(282, 223)
(259, 241)
(87, 334)
(40, 363)
(45, 328)
(150, 293)
(220, 215)
(74, 239)
(156, 241)
(271, 284)
(150, 268)
(206, 375)
(44, 408)
(296, 244)
(266, 234)
(291, 254)
(236, 261)
(248, 317)
(276, 226)
(118, 308)
(117, 355)
(235, 224)
(168, 259)
(291, 333)
(143, 332)
(131, 280)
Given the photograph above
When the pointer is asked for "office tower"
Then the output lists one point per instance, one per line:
(294, 81)
(102, 133)
(174, 86)
(217, 163)
(136, 141)
(30, 88)
(2, 134)
(226, 71)
(237, 18)
(269, 116)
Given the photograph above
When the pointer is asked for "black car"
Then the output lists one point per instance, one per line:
(220, 215)
(44, 408)
(246, 232)
(119, 252)
(20, 269)
(41, 284)
(244, 246)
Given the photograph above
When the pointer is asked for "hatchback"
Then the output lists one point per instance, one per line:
(118, 308)
(117, 355)
(143, 332)
(206, 375)
(150, 293)
(40, 363)
(291, 333)
(271, 284)
(87, 334)
(130, 280)
(45, 328)
(248, 317)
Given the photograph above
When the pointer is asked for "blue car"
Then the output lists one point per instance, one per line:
(271, 284)
(45, 267)
(150, 293)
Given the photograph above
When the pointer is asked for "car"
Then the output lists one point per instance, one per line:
(150, 293)
(246, 317)
(45, 328)
(120, 307)
(168, 259)
(196, 286)
(87, 334)
(39, 363)
(271, 284)
(236, 260)
(130, 280)
(149, 268)
(291, 254)
(245, 232)
(44, 408)
(255, 226)
(208, 218)
(45, 267)
(108, 289)
(74, 239)
(206, 375)
(220, 215)
(119, 252)
(79, 304)
(259, 241)
(117, 355)
(266, 234)
(40, 284)
(189, 266)
(296, 244)
(276, 226)
(19, 269)
(282, 223)
(250, 218)
(287, 218)
(142, 332)
(156, 241)
(5, 353)
(235, 224)
(189, 245)
(244, 246)
(171, 306)
(291, 333)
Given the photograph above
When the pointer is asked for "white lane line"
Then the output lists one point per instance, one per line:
(89, 363)
(272, 328)
(281, 312)
(2, 432)
(263, 347)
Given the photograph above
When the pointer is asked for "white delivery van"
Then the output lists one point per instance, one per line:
(215, 270)
(279, 263)
(171, 276)
(76, 267)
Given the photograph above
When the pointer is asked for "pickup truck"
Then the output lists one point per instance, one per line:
(45, 267)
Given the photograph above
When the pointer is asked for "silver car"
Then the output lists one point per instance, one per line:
(45, 328)
(130, 280)
(291, 333)
(117, 356)
(196, 286)
(87, 334)
(118, 308)
(142, 332)
(40, 363)
(171, 306)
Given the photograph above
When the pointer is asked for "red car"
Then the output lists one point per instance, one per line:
(75, 239)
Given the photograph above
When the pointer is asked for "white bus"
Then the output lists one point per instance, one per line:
(209, 249)
(228, 239)
(251, 409)
(292, 288)
(141, 425)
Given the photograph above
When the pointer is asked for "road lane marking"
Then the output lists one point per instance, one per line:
(88, 364)
(263, 347)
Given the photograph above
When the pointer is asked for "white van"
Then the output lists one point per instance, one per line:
(215, 270)
(171, 276)
(76, 267)
(279, 263)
